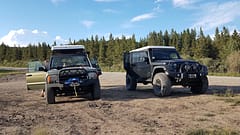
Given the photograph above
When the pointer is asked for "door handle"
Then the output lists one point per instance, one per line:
(29, 75)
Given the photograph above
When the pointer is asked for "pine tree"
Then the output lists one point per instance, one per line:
(166, 38)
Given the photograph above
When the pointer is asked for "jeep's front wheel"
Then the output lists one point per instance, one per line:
(50, 96)
(161, 85)
(202, 87)
(96, 91)
(131, 83)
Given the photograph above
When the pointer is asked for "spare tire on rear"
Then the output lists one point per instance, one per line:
(131, 83)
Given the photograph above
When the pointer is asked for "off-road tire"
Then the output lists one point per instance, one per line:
(161, 85)
(131, 83)
(50, 96)
(96, 91)
(202, 87)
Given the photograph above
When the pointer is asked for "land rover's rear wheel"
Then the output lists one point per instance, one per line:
(201, 88)
(96, 91)
(131, 83)
(161, 85)
(50, 96)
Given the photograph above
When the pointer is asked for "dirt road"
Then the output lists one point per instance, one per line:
(119, 111)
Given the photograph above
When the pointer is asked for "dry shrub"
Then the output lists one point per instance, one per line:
(233, 62)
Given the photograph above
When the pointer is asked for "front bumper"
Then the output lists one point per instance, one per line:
(84, 83)
(186, 79)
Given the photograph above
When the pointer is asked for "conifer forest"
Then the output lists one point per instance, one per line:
(220, 52)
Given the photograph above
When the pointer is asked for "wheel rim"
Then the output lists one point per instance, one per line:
(157, 86)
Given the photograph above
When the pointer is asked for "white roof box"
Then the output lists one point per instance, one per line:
(66, 47)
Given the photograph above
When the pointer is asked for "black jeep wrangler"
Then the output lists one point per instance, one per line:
(163, 67)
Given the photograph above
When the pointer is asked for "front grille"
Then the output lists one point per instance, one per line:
(65, 74)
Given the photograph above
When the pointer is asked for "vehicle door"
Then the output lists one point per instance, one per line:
(35, 78)
(140, 64)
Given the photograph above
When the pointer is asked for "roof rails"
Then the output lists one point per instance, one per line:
(66, 47)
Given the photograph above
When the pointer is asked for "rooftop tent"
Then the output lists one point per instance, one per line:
(68, 49)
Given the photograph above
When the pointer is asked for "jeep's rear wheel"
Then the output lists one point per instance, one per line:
(161, 85)
(96, 91)
(131, 83)
(50, 96)
(202, 87)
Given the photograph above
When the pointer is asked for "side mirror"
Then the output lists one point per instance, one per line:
(95, 64)
(42, 69)
(146, 59)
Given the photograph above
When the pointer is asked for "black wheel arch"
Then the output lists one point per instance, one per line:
(158, 69)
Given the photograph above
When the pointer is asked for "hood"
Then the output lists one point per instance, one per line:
(177, 61)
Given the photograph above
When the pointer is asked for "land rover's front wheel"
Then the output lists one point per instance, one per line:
(202, 87)
(96, 91)
(161, 85)
(131, 83)
(50, 96)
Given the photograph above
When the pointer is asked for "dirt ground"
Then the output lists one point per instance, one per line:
(119, 112)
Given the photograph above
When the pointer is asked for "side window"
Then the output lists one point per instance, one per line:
(34, 66)
(139, 57)
(173, 56)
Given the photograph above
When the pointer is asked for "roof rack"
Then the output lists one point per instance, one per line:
(66, 47)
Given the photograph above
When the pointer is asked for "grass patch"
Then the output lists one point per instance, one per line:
(41, 131)
(225, 93)
(235, 101)
(213, 132)
(228, 96)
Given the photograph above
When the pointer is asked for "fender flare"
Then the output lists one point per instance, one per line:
(158, 69)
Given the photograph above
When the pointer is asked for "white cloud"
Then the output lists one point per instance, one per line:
(88, 23)
(106, 0)
(215, 15)
(158, 1)
(182, 3)
(23, 37)
(110, 10)
(35, 32)
(60, 40)
(143, 17)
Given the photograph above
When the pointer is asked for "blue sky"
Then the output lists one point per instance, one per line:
(32, 21)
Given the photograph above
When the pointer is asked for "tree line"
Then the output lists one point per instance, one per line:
(221, 53)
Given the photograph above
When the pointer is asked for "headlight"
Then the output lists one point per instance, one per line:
(204, 69)
(187, 67)
(52, 79)
(173, 66)
(92, 75)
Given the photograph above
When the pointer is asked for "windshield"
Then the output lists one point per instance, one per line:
(164, 54)
(62, 61)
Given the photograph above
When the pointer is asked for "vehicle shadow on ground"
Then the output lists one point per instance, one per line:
(72, 99)
(119, 93)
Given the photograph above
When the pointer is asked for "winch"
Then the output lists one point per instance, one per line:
(73, 82)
